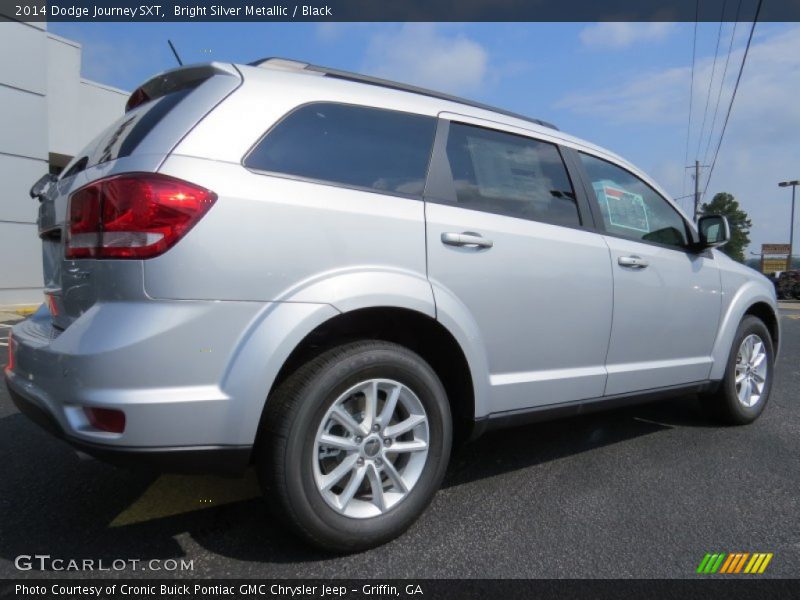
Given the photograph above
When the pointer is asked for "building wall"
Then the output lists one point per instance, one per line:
(47, 114)
(23, 157)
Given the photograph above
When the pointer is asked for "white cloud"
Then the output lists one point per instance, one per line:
(658, 96)
(421, 54)
(765, 105)
(623, 35)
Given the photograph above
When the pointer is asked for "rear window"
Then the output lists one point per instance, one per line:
(122, 137)
(355, 146)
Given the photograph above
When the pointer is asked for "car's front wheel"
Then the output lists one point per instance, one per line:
(355, 444)
(744, 391)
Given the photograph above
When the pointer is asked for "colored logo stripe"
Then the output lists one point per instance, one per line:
(710, 563)
(736, 562)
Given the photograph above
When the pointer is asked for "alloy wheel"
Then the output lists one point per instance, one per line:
(370, 448)
(751, 370)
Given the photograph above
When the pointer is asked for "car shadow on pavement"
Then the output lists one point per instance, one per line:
(54, 503)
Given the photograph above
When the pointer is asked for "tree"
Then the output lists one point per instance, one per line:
(725, 204)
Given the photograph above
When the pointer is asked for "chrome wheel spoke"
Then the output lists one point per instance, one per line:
(404, 426)
(390, 406)
(338, 442)
(412, 446)
(376, 485)
(745, 394)
(341, 416)
(394, 476)
(748, 348)
(335, 476)
(370, 405)
(352, 486)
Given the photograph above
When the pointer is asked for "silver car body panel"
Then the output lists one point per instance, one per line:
(665, 317)
(742, 288)
(190, 342)
(513, 290)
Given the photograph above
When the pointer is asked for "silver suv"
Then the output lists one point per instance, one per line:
(334, 277)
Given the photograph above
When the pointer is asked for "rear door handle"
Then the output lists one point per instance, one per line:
(467, 239)
(634, 262)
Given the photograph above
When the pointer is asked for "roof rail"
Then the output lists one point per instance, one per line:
(293, 65)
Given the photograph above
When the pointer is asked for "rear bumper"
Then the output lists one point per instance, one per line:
(161, 363)
(223, 460)
(191, 377)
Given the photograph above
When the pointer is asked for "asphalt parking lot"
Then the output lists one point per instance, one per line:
(641, 492)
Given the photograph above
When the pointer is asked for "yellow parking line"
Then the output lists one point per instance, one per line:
(171, 495)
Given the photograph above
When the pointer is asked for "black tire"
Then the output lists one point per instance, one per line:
(286, 451)
(725, 401)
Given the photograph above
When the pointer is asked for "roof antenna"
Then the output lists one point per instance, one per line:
(175, 52)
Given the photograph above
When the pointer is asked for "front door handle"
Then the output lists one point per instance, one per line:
(634, 262)
(467, 239)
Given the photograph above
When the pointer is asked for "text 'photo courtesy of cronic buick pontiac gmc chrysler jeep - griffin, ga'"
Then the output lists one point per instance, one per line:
(333, 277)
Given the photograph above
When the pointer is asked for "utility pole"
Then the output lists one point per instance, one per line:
(793, 185)
(697, 166)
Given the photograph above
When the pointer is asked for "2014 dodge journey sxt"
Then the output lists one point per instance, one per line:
(333, 276)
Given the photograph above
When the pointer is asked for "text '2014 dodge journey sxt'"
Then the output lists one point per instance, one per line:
(332, 277)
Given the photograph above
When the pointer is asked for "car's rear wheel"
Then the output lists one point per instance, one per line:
(744, 391)
(355, 444)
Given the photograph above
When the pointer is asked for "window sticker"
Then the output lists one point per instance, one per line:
(623, 208)
(505, 170)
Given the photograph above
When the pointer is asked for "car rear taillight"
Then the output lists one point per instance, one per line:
(51, 304)
(136, 215)
(106, 419)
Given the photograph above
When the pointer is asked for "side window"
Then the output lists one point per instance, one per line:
(371, 148)
(510, 175)
(631, 208)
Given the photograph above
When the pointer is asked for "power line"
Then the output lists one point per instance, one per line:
(733, 96)
(711, 80)
(722, 83)
(691, 91)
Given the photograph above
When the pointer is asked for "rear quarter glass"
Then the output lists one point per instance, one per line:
(123, 136)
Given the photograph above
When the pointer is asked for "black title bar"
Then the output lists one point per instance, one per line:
(396, 10)
(732, 588)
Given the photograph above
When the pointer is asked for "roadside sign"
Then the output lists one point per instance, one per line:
(779, 249)
(773, 265)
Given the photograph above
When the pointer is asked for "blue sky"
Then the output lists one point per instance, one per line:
(624, 86)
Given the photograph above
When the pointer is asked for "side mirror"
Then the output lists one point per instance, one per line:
(714, 231)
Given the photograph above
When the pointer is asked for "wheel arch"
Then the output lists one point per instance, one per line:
(764, 311)
(750, 299)
(409, 328)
